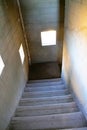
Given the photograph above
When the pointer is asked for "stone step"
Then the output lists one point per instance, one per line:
(44, 88)
(46, 100)
(45, 93)
(46, 109)
(69, 120)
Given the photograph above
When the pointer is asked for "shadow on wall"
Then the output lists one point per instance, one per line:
(60, 33)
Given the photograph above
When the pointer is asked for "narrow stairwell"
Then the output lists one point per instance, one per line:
(47, 105)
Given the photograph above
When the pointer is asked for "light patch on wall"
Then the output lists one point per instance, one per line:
(2, 65)
(48, 38)
(21, 52)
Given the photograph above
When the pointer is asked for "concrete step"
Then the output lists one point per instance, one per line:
(46, 100)
(70, 120)
(45, 93)
(44, 88)
(46, 109)
(44, 83)
(45, 80)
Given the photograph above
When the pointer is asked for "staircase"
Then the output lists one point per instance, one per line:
(47, 105)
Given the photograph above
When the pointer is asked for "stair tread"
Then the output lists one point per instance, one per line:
(47, 98)
(49, 116)
(34, 84)
(46, 88)
(48, 91)
(47, 105)
(46, 109)
(50, 121)
(45, 93)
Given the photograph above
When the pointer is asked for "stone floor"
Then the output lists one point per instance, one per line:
(44, 71)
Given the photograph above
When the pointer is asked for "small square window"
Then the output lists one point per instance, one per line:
(48, 38)
(21, 52)
(2, 65)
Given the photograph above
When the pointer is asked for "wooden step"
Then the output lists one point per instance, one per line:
(45, 88)
(69, 120)
(46, 109)
(45, 93)
(45, 100)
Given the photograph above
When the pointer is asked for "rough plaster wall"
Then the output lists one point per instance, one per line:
(74, 69)
(43, 15)
(14, 75)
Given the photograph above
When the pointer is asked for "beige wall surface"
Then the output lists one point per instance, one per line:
(14, 75)
(43, 15)
(74, 69)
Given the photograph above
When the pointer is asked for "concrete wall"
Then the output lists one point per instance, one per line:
(43, 15)
(74, 70)
(14, 75)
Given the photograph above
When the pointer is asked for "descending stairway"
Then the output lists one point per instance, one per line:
(47, 104)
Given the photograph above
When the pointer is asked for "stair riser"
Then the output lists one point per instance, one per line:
(44, 94)
(46, 80)
(50, 121)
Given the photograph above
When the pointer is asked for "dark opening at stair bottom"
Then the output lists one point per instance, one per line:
(46, 70)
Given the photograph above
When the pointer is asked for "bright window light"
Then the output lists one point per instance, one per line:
(21, 52)
(2, 65)
(48, 38)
